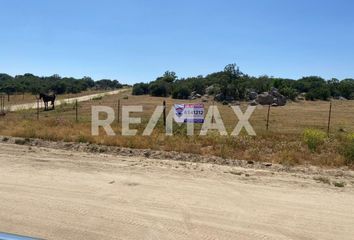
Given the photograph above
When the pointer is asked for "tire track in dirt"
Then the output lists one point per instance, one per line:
(61, 194)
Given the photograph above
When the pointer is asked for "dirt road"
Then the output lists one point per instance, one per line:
(57, 194)
(59, 102)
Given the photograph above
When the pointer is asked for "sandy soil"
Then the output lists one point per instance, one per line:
(59, 194)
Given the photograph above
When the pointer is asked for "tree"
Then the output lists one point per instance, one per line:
(140, 89)
(9, 89)
(160, 89)
(181, 92)
(346, 88)
(288, 92)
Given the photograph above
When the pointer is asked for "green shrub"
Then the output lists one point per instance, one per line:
(314, 138)
(339, 184)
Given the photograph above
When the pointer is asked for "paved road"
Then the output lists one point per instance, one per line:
(57, 194)
(62, 101)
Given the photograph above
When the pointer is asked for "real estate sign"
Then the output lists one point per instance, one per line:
(189, 113)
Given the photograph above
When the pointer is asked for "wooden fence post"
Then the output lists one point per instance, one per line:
(2, 105)
(37, 109)
(76, 111)
(329, 118)
(118, 112)
(164, 113)
(268, 117)
(213, 106)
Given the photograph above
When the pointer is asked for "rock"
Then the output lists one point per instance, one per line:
(253, 103)
(250, 162)
(209, 90)
(147, 153)
(342, 98)
(198, 95)
(280, 100)
(267, 164)
(265, 99)
(204, 99)
(219, 97)
(271, 97)
(252, 95)
(342, 130)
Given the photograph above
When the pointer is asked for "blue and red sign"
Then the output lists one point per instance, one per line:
(189, 113)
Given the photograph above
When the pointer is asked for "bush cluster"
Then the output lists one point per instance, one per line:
(231, 83)
(34, 84)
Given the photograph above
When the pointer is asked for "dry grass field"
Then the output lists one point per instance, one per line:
(282, 143)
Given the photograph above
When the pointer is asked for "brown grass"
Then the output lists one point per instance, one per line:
(281, 144)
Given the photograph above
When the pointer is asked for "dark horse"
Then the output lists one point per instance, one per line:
(47, 98)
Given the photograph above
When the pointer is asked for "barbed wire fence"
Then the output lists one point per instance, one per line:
(330, 117)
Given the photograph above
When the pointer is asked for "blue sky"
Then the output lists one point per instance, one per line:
(136, 40)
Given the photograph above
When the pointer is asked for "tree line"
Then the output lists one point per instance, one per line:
(29, 83)
(231, 83)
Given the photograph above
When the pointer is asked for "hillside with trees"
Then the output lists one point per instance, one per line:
(29, 83)
(232, 84)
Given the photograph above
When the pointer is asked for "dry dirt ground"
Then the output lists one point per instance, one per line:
(60, 194)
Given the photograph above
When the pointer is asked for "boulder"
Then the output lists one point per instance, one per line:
(219, 97)
(265, 99)
(273, 97)
(280, 100)
(252, 95)
(342, 98)
(209, 90)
